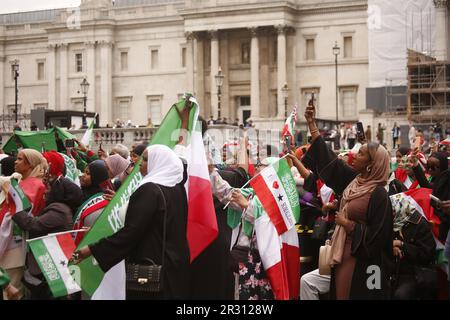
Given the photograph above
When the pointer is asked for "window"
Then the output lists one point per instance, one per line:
(154, 57)
(41, 71)
(310, 52)
(348, 101)
(122, 107)
(348, 47)
(245, 53)
(79, 62)
(124, 61)
(154, 109)
(183, 57)
(244, 101)
(307, 95)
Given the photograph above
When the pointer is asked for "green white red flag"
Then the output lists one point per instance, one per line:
(277, 191)
(289, 126)
(52, 253)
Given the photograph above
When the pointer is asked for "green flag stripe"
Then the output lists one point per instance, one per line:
(47, 265)
(285, 176)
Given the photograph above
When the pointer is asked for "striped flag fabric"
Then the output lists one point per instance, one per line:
(289, 126)
(52, 254)
(202, 228)
(277, 191)
(87, 137)
(72, 172)
(20, 200)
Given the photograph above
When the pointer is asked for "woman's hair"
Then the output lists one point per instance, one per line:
(139, 149)
(62, 190)
(403, 150)
(37, 162)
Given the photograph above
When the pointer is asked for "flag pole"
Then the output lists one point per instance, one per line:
(58, 234)
(255, 177)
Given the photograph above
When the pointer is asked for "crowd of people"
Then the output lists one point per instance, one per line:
(347, 199)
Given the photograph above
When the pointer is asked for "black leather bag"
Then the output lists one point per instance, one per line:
(148, 277)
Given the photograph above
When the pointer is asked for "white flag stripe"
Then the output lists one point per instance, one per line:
(113, 284)
(270, 176)
(266, 235)
(58, 258)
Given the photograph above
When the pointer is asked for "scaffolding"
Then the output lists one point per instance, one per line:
(428, 89)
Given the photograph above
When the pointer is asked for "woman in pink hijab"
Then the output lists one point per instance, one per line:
(117, 167)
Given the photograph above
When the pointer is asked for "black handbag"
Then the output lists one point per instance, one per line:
(148, 277)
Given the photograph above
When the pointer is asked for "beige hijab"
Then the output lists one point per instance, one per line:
(379, 175)
(37, 162)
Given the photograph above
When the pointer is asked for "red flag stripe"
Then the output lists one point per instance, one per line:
(269, 203)
(67, 244)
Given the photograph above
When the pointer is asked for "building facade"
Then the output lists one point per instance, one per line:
(140, 56)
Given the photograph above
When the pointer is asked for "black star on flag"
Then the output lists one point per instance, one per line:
(280, 198)
(63, 263)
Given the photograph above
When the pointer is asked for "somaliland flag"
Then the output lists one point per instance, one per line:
(19, 198)
(52, 254)
(277, 191)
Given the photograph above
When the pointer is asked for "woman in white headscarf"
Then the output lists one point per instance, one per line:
(160, 192)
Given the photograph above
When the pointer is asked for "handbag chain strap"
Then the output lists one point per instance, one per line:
(164, 224)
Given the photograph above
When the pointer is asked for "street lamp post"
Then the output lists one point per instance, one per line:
(84, 89)
(219, 83)
(336, 51)
(16, 76)
(285, 91)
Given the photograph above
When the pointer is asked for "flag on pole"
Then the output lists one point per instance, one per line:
(289, 126)
(52, 254)
(277, 191)
(87, 137)
(202, 228)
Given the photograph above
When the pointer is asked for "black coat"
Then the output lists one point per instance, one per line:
(56, 217)
(419, 246)
(141, 238)
(372, 241)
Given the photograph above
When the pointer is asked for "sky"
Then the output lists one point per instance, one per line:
(8, 6)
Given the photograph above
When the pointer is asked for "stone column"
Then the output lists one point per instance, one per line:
(190, 62)
(51, 76)
(281, 68)
(63, 78)
(91, 71)
(200, 76)
(441, 22)
(214, 70)
(254, 65)
(106, 83)
(2, 83)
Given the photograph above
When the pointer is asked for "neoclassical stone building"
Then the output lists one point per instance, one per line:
(139, 56)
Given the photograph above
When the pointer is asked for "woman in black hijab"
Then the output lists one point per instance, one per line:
(95, 179)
